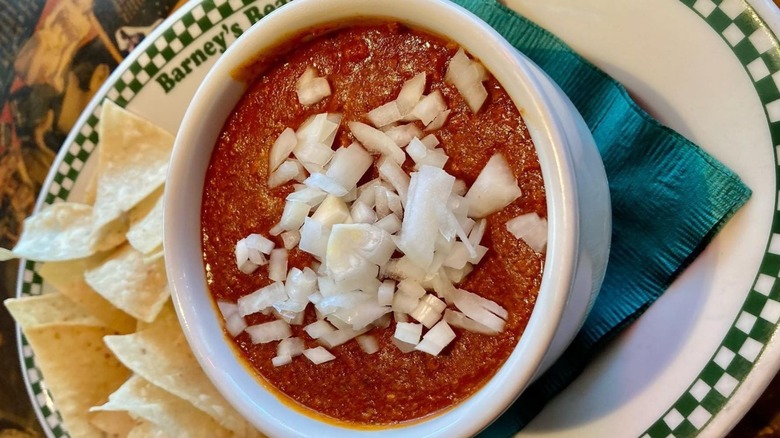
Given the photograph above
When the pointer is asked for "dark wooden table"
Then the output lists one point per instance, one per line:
(17, 418)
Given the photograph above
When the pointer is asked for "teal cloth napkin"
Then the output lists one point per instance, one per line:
(669, 198)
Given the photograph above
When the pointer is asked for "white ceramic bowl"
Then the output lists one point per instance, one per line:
(577, 201)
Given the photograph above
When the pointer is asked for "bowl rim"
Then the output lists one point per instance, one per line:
(215, 99)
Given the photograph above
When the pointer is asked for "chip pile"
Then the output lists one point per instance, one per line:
(107, 341)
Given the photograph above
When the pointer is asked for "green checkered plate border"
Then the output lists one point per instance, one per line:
(742, 30)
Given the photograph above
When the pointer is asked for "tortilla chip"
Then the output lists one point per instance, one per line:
(68, 278)
(146, 222)
(155, 255)
(6, 254)
(38, 310)
(90, 191)
(58, 232)
(115, 424)
(174, 416)
(128, 283)
(133, 163)
(78, 369)
(160, 354)
(145, 429)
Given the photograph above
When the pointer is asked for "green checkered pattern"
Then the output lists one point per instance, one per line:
(158, 53)
(740, 27)
(756, 48)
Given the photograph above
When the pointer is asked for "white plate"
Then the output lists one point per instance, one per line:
(702, 354)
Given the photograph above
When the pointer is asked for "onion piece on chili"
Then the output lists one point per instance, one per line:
(377, 141)
(310, 88)
(495, 188)
(348, 165)
(326, 184)
(318, 355)
(438, 337)
(458, 319)
(531, 229)
(287, 171)
(277, 266)
(411, 93)
(261, 299)
(467, 76)
(408, 332)
(318, 329)
(235, 324)
(281, 149)
(403, 134)
(384, 115)
(368, 344)
(269, 331)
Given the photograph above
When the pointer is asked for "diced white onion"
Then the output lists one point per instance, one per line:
(429, 107)
(318, 329)
(350, 242)
(311, 196)
(530, 228)
(362, 314)
(310, 88)
(368, 344)
(411, 287)
(331, 211)
(428, 310)
(459, 188)
(467, 76)
(429, 188)
(226, 308)
(402, 268)
(457, 319)
(377, 141)
(326, 184)
(242, 258)
(404, 303)
(411, 92)
(495, 188)
(261, 299)
(290, 347)
(281, 149)
(259, 243)
(362, 213)
(467, 303)
(403, 134)
(403, 346)
(389, 223)
(314, 152)
(235, 324)
(392, 173)
(291, 238)
(423, 155)
(408, 332)
(430, 141)
(279, 361)
(385, 293)
(438, 337)
(287, 171)
(293, 215)
(318, 355)
(340, 336)
(349, 165)
(385, 114)
(321, 128)
(439, 121)
(314, 237)
(299, 284)
(269, 331)
(277, 267)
